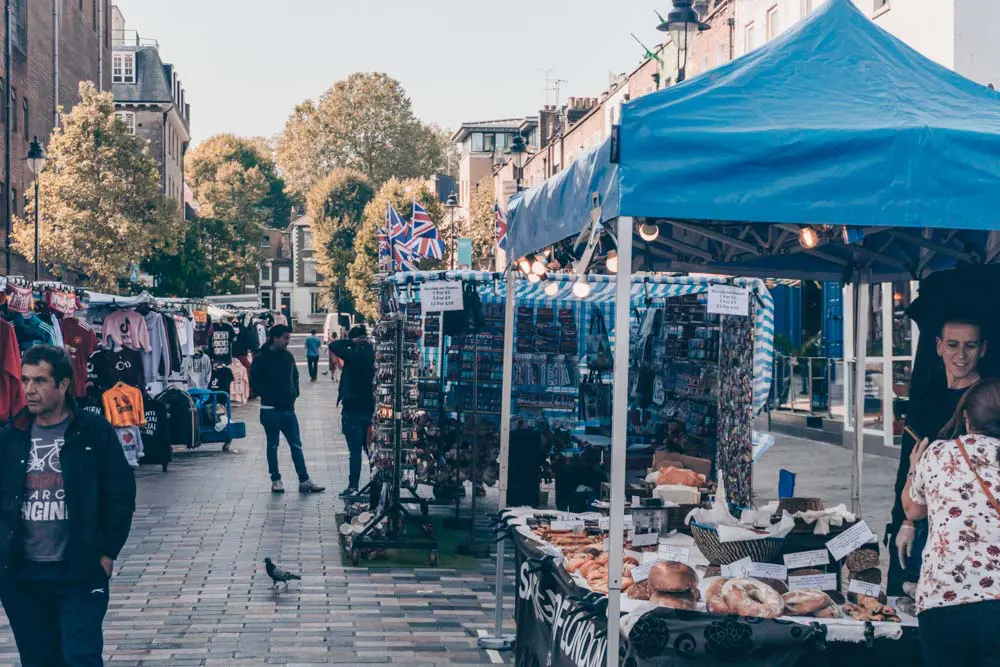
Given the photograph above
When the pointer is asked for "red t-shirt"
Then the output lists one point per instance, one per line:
(81, 341)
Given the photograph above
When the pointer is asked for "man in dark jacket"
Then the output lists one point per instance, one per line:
(357, 396)
(72, 497)
(275, 378)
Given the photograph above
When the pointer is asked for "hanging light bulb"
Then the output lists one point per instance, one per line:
(649, 231)
(534, 278)
(581, 288)
(612, 261)
(808, 238)
(538, 267)
(552, 288)
(525, 264)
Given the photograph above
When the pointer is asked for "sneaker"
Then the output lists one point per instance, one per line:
(348, 492)
(277, 486)
(308, 487)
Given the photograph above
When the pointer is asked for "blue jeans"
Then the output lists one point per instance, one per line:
(355, 426)
(276, 422)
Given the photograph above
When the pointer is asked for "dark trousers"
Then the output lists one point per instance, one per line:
(313, 364)
(276, 423)
(355, 426)
(965, 635)
(56, 623)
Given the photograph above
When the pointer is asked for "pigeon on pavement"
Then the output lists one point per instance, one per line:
(279, 575)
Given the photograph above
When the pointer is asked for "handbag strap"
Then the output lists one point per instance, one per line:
(982, 484)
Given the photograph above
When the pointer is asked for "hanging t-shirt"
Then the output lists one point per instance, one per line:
(81, 341)
(105, 368)
(123, 406)
(92, 401)
(222, 378)
(156, 362)
(126, 328)
(240, 347)
(221, 347)
(31, 331)
(156, 431)
(131, 441)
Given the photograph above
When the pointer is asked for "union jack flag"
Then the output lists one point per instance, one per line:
(400, 236)
(425, 241)
(384, 253)
(501, 227)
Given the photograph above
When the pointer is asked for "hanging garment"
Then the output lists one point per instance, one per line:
(202, 328)
(239, 390)
(155, 433)
(81, 342)
(222, 378)
(123, 406)
(64, 303)
(182, 418)
(50, 320)
(19, 299)
(185, 335)
(261, 335)
(105, 368)
(156, 362)
(173, 341)
(221, 348)
(131, 441)
(11, 391)
(201, 371)
(31, 331)
(126, 328)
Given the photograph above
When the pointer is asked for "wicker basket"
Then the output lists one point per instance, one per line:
(767, 550)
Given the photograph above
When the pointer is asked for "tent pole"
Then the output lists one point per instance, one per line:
(862, 294)
(619, 417)
(498, 640)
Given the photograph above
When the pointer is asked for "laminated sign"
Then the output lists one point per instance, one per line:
(436, 297)
(728, 300)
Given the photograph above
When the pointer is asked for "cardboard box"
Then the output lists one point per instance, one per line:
(703, 466)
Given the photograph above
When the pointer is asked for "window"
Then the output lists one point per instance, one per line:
(13, 201)
(27, 123)
(284, 274)
(316, 306)
(127, 117)
(749, 37)
(307, 240)
(772, 23)
(123, 67)
(489, 143)
(265, 300)
(265, 273)
(502, 141)
(477, 142)
(309, 273)
(265, 242)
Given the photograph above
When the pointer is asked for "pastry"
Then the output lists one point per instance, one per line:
(686, 601)
(671, 577)
(863, 559)
(805, 602)
(749, 597)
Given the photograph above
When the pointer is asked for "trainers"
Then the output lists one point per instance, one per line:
(308, 487)
(348, 492)
(277, 486)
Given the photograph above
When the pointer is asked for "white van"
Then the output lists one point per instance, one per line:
(339, 323)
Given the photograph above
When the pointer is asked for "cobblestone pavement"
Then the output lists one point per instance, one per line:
(191, 588)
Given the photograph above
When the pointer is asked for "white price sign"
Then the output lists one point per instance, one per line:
(850, 540)
(728, 300)
(641, 572)
(674, 554)
(768, 571)
(740, 568)
(806, 559)
(604, 523)
(864, 588)
(645, 539)
(813, 582)
(636, 501)
(567, 525)
(442, 295)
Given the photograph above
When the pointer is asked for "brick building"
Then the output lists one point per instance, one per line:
(151, 101)
(64, 41)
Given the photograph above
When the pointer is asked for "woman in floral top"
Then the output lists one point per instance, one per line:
(958, 596)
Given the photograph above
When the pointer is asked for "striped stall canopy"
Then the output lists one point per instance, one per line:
(647, 289)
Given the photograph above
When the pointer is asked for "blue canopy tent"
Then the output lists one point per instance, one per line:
(889, 159)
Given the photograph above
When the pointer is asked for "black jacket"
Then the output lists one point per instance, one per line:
(275, 378)
(357, 390)
(99, 485)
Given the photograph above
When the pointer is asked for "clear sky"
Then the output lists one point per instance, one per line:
(246, 63)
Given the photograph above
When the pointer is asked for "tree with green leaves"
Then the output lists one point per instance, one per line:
(101, 204)
(482, 224)
(336, 205)
(364, 122)
(399, 193)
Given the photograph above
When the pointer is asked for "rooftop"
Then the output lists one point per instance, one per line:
(499, 125)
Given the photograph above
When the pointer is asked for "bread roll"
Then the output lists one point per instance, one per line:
(685, 601)
(671, 577)
(805, 602)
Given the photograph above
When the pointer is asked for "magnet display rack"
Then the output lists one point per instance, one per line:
(396, 357)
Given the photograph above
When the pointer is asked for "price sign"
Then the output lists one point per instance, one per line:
(641, 572)
(740, 568)
(628, 553)
(813, 582)
(604, 523)
(636, 501)
(440, 296)
(850, 540)
(806, 559)
(768, 571)
(728, 300)
(567, 525)
(645, 539)
(864, 588)
(674, 554)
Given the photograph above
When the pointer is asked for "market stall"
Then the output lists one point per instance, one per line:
(868, 162)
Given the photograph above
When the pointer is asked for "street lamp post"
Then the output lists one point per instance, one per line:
(516, 151)
(36, 162)
(682, 23)
(451, 204)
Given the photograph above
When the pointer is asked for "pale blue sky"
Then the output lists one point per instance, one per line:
(246, 63)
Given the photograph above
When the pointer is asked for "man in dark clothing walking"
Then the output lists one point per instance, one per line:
(275, 378)
(356, 395)
(73, 499)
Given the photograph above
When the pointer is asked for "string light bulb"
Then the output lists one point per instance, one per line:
(808, 238)
(534, 278)
(581, 288)
(552, 288)
(649, 232)
(525, 265)
(612, 261)
(538, 267)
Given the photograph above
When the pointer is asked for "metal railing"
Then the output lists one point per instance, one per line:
(809, 385)
(132, 38)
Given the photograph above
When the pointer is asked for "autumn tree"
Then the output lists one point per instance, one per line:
(482, 224)
(364, 122)
(335, 206)
(101, 204)
(362, 271)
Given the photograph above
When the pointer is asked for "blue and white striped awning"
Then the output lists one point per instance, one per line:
(492, 289)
